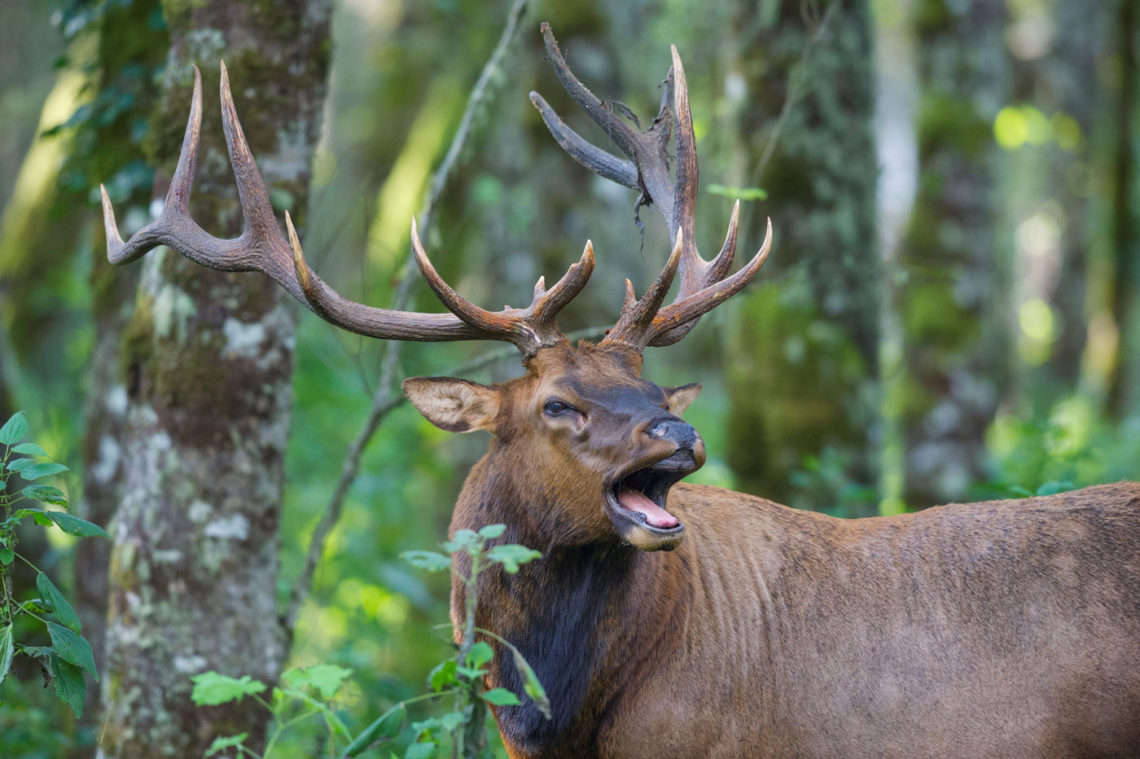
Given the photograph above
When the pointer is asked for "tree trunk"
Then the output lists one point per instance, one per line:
(208, 361)
(803, 376)
(955, 357)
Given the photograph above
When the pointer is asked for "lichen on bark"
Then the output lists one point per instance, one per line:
(208, 362)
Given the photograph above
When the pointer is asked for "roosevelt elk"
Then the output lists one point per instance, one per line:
(676, 620)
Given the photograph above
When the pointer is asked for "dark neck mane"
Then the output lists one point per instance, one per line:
(588, 619)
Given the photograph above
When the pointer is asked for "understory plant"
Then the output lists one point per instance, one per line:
(457, 681)
(69, 654)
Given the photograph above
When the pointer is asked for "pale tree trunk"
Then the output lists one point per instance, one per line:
(955, 349)
(208, 361)
(803, 374)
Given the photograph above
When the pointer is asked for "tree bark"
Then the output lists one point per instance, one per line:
(804, 378)
(208, 360)
(955, 347)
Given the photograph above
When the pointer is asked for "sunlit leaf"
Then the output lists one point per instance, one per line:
(45, 493)
(492, 531)
(500, 697)
(14, 430)
(222, 742)
(511, 556)
(29, 449)
(326, 678)
(480, 654)
(532, 686)
(74, 525)
(427, 560)
(744, 193)
(211, 688)
(464, 540)
(443, 675)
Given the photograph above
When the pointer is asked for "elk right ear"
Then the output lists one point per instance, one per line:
(453, 404)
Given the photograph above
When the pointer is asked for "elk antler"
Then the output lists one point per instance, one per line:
(703, 286)
(261, 247)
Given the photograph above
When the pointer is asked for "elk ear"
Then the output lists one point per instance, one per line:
(452, 404)
(681, 397)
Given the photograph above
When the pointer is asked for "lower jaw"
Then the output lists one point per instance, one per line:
(644, 537)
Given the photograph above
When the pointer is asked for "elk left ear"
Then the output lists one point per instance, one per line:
(452, 404)
(681, 397)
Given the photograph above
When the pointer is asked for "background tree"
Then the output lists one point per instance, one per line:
(208, 369)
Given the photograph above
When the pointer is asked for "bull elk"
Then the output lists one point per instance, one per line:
(677, 620)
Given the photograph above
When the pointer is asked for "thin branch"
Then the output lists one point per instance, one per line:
(386, 398)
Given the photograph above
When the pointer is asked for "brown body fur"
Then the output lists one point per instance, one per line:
(999, 629)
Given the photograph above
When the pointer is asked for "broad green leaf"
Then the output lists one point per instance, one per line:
(7, 648)
(60, 608)
(30, 449)
(222, 742)
(492, 531)
(464, 540)
(326, 678)
(33, 470)
(532, 686)
(386, 727)
(72, 647)
(500, 697)
(443, 675)
(211, 688)
(431, 723)
(7, 556)
(14, 430)
(74, 525)
(451, 720)
(45, 493)
(480, 654)
(470, 673)
(512, 555)
(420, 750)
(70, 687)
(428, 560)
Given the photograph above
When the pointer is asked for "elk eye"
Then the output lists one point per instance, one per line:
(556, 408)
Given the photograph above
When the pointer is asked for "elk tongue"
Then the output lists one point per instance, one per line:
(655, 515)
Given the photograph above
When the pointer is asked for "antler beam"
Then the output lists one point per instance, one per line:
(261, 247)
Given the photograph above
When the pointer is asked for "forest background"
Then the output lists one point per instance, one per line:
(950, 311)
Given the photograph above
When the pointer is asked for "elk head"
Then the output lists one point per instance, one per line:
(581, 433)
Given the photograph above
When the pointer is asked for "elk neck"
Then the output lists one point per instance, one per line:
(592, 618)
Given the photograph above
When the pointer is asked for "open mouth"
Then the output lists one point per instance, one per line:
(639, 496)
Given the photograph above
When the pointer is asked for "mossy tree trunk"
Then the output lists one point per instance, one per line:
(131, 49)
(208, 361)
(803, 354)
(955, 347)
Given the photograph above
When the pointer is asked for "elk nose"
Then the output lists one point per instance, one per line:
(681, 434)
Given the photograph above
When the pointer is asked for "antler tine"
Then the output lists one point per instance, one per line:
(686, 311)
(529, 329)
(634, 326)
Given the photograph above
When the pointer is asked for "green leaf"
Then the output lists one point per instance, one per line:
(420, 750)
(74, 525)
(222, 742)
(464, 540)
(30, 449)
(72, 647)
(443, 675)
(386, 727)
(7, 648)
(7, 556)
(14, 429)
(532, 686)
(60, 608)
(45, 493)
(492, 531)
(33, 470)
(470, 673)
(744, 193)
(500, 697)
(480, 654)
(70, 687)
(326, 678)
(451, 720)
(512, 555)
(429, 560)
(211, 688)
(1019, 491)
